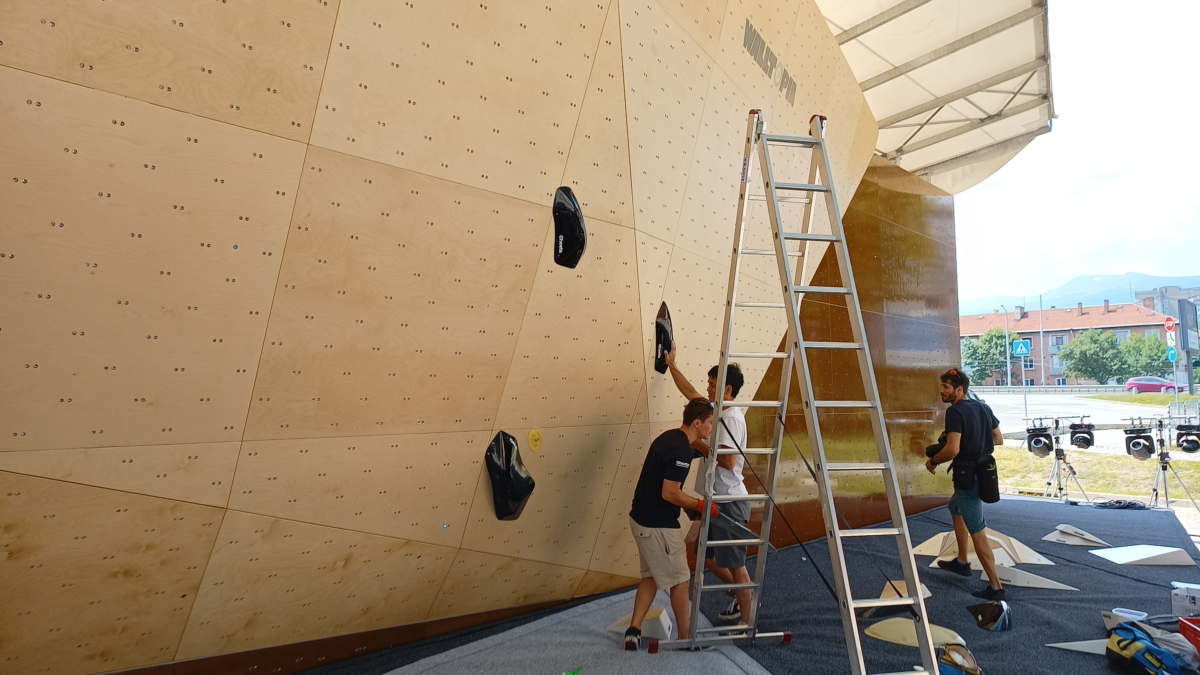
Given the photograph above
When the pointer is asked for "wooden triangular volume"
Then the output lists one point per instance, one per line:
(656, 625)
(890, 588)
(1145, 554)
(1012, 576)
(1011, 551)
(1071, 535)
(1085, 646)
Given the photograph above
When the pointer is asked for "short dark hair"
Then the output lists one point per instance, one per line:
(697, 409)
(733, 376)
(957, 378)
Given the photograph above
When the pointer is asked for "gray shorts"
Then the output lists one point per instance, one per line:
(728, 557)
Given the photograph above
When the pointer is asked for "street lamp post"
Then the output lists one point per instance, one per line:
(1007, 350)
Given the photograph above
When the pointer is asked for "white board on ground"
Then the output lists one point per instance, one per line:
(1069, 534)
(1085, 646)
(902, 631)
(1145, 554)
(1012, 576)
(656, 625)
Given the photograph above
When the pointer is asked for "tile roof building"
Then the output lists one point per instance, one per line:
(1059, 326)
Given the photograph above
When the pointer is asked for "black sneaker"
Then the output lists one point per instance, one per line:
(989, 593)
(732, 612)
(633, 639)
(957, 566)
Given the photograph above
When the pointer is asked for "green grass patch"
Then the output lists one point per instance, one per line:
(1145, 399)
(1100, 473)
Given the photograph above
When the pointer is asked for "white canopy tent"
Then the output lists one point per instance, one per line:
(958, 87)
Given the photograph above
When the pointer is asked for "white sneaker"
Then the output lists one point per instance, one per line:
(732, 612)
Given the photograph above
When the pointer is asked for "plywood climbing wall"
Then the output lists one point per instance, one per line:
(273, 274)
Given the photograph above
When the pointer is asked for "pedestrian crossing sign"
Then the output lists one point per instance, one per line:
(1021, 347)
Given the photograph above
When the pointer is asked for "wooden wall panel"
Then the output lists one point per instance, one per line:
(599, 582)
(399, 304)
(272, 581)
(574, 470)
(774, 21)
(190, 472)
(579, 356)
(142, 247)
(95, 580)
(666, 79)
(653, 261)
(598, 164)
(254, 64)
(615, 551)
(414, 486)
(487, 95)
(700, 18)
(479, 582)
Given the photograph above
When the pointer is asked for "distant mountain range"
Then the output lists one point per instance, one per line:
(1090, 290)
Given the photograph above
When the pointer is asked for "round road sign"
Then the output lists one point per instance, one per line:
(1169, 324)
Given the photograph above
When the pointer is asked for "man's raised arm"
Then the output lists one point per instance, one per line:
(689, 392)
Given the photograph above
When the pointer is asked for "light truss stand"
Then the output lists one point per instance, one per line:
(1160, 478)
(1055, 479)
(789, 244)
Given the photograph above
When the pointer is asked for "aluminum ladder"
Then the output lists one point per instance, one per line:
(795, 357)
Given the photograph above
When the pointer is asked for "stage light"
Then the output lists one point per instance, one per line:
(1187, 437)
(1082, 435)
(1041, 443)
(1139, 443)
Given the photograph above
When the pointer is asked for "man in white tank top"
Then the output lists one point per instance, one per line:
(728, 563)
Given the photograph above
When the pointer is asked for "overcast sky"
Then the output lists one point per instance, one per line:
(1115, 187)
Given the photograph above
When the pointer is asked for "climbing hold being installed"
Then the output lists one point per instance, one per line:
(511, 483)
(570, 236)
(663, 338)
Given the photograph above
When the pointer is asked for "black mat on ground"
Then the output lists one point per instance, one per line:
(796, 600)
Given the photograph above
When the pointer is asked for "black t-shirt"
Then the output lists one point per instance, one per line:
(975, 421)
(670, 458)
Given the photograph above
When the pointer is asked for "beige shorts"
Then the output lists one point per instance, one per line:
(663, 554)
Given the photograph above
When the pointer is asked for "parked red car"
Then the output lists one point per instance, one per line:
(1142, 385)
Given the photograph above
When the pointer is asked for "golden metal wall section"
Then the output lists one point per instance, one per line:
(273, 274)
(900, 235)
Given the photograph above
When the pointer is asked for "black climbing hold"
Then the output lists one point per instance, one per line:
(511, 483)
(570, 236)
(663, 338)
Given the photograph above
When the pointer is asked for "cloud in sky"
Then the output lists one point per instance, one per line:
(1115, 187)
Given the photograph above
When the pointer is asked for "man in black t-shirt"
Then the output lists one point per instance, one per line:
(972, 432)
(654, 518)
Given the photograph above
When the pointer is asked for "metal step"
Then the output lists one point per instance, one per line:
(856, 466)
(832, 345)
(809, 236)
(798, 141)
(722, 629)
(761, 305)
(802, 187)
(736, 542)
(843, 404)
(748, 451)
(831, 290)
(882, 602)
(770, 251)
(758, 355)
(731, 587)
(750, 404)
(755, 497)
(873, 532)
(790, 200)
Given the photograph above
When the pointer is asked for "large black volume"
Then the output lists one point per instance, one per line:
(570, 236)
(511, 482)
(663, 338)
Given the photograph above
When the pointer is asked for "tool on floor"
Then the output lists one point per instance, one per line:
(804, 245)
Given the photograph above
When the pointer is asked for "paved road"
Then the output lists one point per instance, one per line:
(1010, 408)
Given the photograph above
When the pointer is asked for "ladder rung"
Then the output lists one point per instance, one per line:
(856, 466)
(722, 629)
(873, 532)
(809, 236)
(803, 141)
(730, 587)
(762, 305)
(882, 602)
(790, 200)
(748, 451)
(843, 404)
(803, 187)
(755, 497)
(831, 290)
(832, 345)
(750, 404)
(736, 542)
(908, 672)
(770, 251)
(758, 355)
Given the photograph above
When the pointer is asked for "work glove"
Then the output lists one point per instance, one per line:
(713, 510)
